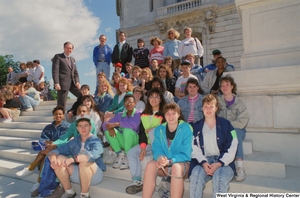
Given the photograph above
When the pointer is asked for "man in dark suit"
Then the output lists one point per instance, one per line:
(65, 75)
(122, 52)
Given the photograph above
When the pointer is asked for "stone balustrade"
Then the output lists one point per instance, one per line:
(178, 7)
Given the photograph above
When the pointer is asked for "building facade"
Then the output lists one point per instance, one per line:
(215, 23)
(261, 38)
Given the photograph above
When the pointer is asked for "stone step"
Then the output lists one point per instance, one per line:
(109, 187)
(54, 102)
(25, 125)
(247, 146)
(50, 107)
(259, 164)
(16, 142)
(18, 154)
(251, 184)
(28, 133)
(267, 164)
(37, 113)
(33, 119)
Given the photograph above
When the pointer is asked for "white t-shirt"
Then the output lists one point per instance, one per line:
(189, 46)
(30, 76)
(181, 82)
(140, 106)
(210, 141)
(38, 70)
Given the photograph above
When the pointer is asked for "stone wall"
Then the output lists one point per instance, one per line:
(228, 35)
(138, 22)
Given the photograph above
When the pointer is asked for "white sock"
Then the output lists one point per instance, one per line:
(86, 194)
(239, 163)
(71, 191)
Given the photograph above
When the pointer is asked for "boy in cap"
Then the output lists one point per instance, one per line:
(181, 81)
(216, 54)
(118, 68)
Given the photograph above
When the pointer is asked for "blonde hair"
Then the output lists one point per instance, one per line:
(109, 89)
(147, 71)
(176, 33)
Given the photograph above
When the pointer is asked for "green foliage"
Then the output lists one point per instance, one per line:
(53, 92)
(5, 62)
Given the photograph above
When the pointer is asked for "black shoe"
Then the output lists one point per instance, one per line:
(135, 187)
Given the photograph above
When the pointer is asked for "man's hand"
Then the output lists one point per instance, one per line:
(206, 167)
(57, 87)
(143, 154)
(112, 133)
(67, 162)
(49, 148)
(214, 167)
(78, 85)
(53, 161)
(162, 162)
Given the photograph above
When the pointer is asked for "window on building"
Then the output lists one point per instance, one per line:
(151, 5)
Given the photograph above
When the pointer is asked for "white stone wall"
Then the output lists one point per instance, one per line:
(227, 36)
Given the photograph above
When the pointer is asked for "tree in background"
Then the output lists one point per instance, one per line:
(5, 62)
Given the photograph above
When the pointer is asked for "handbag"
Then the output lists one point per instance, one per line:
(164, 186)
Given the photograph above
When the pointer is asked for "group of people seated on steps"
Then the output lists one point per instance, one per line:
(24, 90)
(199, 138)
(166, 116)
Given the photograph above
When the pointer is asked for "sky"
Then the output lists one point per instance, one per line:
(37, 29)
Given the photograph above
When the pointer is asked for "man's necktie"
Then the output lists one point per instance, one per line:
(69, 62)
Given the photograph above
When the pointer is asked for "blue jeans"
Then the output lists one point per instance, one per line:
(103, 67)
(220, 179)
(28, 102)
(134, 162)
(240, 133)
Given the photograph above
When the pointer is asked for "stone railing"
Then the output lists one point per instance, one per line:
(178, 7)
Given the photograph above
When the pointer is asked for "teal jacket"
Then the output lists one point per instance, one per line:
(117, 107)
(72, 132)
(180, 149)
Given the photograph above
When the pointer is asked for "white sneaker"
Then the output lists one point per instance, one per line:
(124, 163)
(35, 186)
(24, 172)
(240, 174)
(28, 109)
(118, 161)
(7, 120)
(111, 157)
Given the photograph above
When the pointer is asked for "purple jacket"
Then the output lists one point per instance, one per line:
(130, 122)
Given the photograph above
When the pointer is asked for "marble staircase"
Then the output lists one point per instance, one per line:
(266, 171)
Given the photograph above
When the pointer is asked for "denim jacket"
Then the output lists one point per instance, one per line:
(185, 107)
(103, 103)
(92, 149)
(52, 133)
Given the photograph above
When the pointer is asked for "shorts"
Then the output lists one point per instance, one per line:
(96, 179)
(184, 171)
(13, 112)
